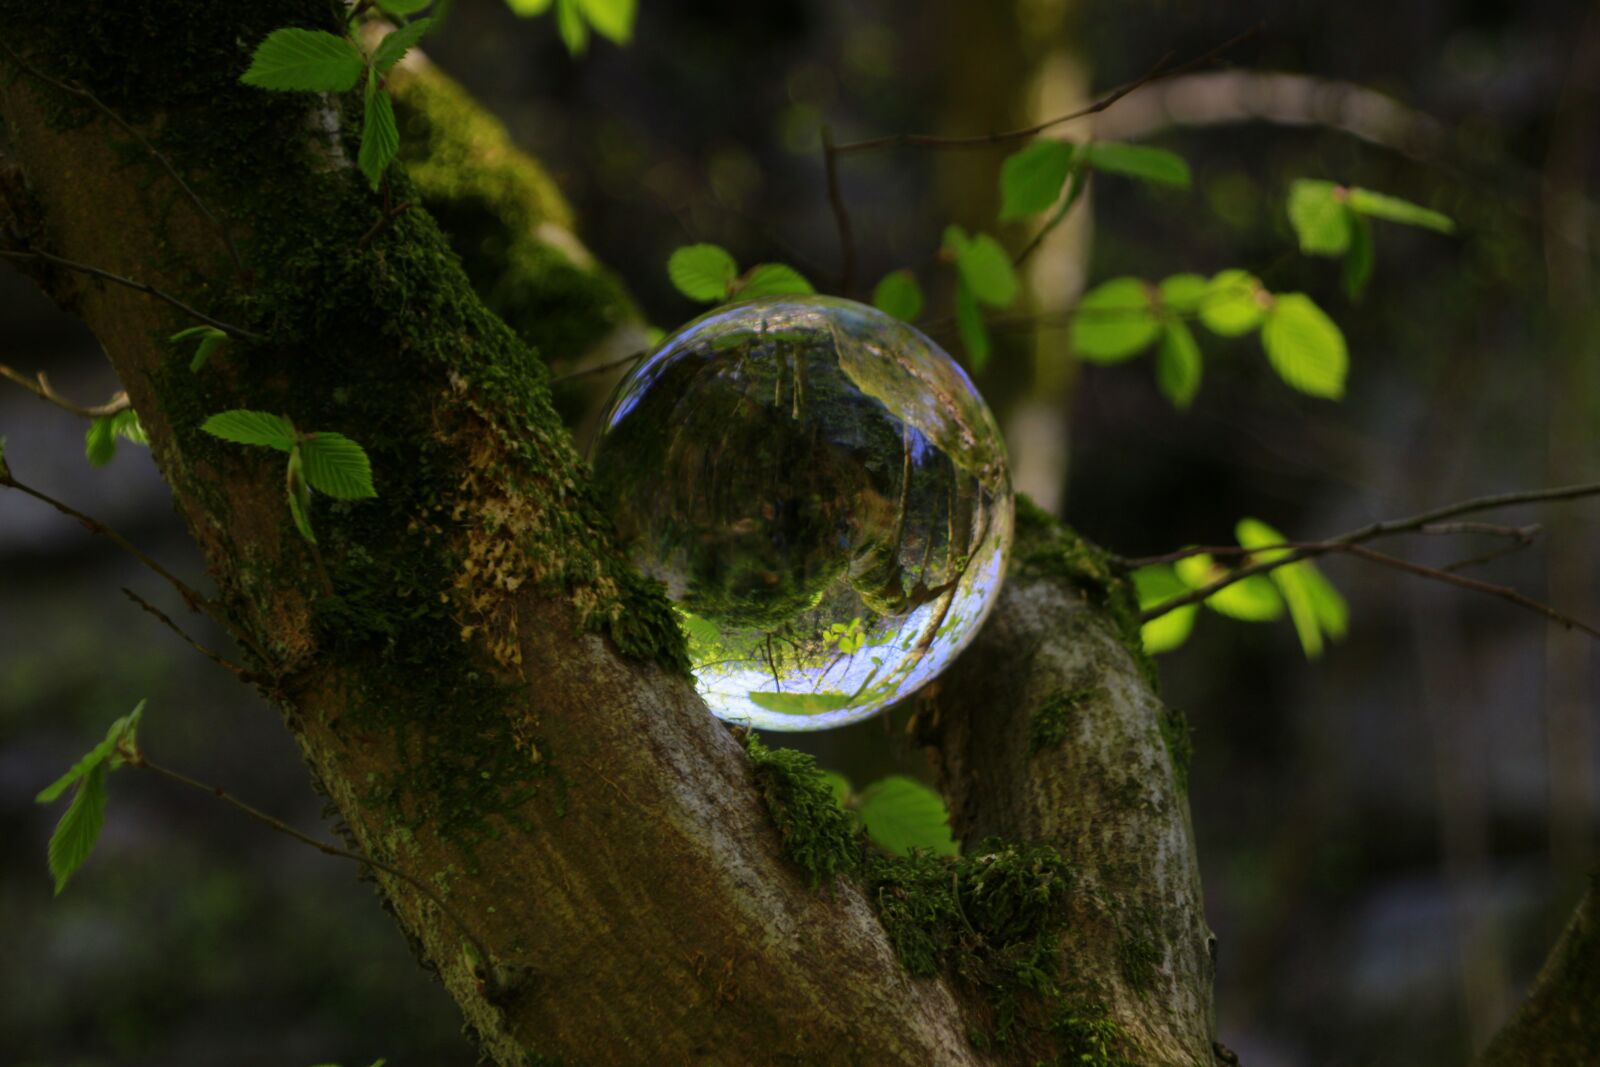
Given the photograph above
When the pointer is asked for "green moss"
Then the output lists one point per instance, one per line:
(1179, 739)
(818, 835)
(1046, 546)
(990, 918)
(1139, 955)
(1053, 720)
(1087, 1036)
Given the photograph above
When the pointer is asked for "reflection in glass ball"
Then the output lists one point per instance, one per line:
(825, 496)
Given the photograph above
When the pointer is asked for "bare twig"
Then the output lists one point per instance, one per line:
(388, 216)
(84, 268)
(40, 387)
(226, 664)
(599, 368)
(138, 759)
(84, 94)
(1156, 73)
(841, 217)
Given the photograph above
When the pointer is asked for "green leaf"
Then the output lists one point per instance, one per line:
(702, 272)
(1155, 586)
(1178, 364)
(252, 428)
(901, 814)
(1137, 161)
(572, 27)
(839, 785)
(1031, 179)
(1305, 347)
(380, 137)
(397, 43)
(299, 495)
(1319, 217)
(983, 266)
(1233, 303)
(209, 343)
(529, 8)
(127, 426)
(1315, 607)
(79, 827)
(1358, 260)
(969, 324)
(802, 703)
(1182, 294)
(699, 629)
(124, 728)
(337, 466)
(1252, 599)
(772, 279)
(100, 442)
(402, 8)
(1393, 209)
(305, 60)
(611, 19)
(1114, 321)
(898, 294)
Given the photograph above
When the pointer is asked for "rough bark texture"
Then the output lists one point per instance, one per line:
(1559, 1023)
(496, 703)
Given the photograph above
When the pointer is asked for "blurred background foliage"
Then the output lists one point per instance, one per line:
(1389, 837)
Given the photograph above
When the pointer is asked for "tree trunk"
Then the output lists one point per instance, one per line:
(495, 702)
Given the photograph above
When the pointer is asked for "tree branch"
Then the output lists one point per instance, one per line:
(39, 386)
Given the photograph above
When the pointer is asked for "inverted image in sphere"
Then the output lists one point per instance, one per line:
(824, 495)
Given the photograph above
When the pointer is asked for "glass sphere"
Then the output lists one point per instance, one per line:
(824, 495)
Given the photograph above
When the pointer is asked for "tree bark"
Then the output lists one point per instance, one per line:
(491, 697)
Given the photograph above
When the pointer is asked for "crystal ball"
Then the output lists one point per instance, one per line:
(824, 495)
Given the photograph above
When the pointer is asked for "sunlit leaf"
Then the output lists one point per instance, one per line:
(1178, 364)
(969, 324)
(702, 272)
(1138, 161)
(1320, 219)
(1156, 586)
(772, 279)
(1114, 321)
(1233, 303)
(1031, 179)
(901, 814)
(1358, 259)
(1183, 293)
(898, 294)
(1393, 209)
(611, 19)
(983, 266)
(1305, 347)
(1252, 599)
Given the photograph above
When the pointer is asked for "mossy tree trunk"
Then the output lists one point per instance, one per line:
(497, 704)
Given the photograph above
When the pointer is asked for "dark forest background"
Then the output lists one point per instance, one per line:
(1389, 837)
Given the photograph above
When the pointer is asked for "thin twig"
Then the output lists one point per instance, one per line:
(84, 268)
(388, 216)
(85, 94)
(138, 759)
(841, 217)
(40, 387)
(599, 368)
(226, 664)
(1155, 74)
(1294, 552)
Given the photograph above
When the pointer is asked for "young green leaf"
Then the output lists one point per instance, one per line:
(252, 428)
(1178, 364)
(380, 137)
(969, 324)
(1358, 259)
(1315, 607)
(984, 266)
(299, 495)
(611, 19)
(801, 703)
(1031, 179)
(1182, 294)
(1114, 321)
(702, 272)
(901, 814)
(207, 347)
(529, 8)
(124, 729)
(1155, 165)
(1252, 599)
(898, 294)
(1234, 303)
(397, 43)
(1305, 347)
(402, 8)
(305, 60)
(1155, 586)
(127, 426)
(772, 279)
(100, 442)
(1393, 209)
(79, 827)
(839, 785)
(1319, 216)
(335, 465)
(571, 26)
